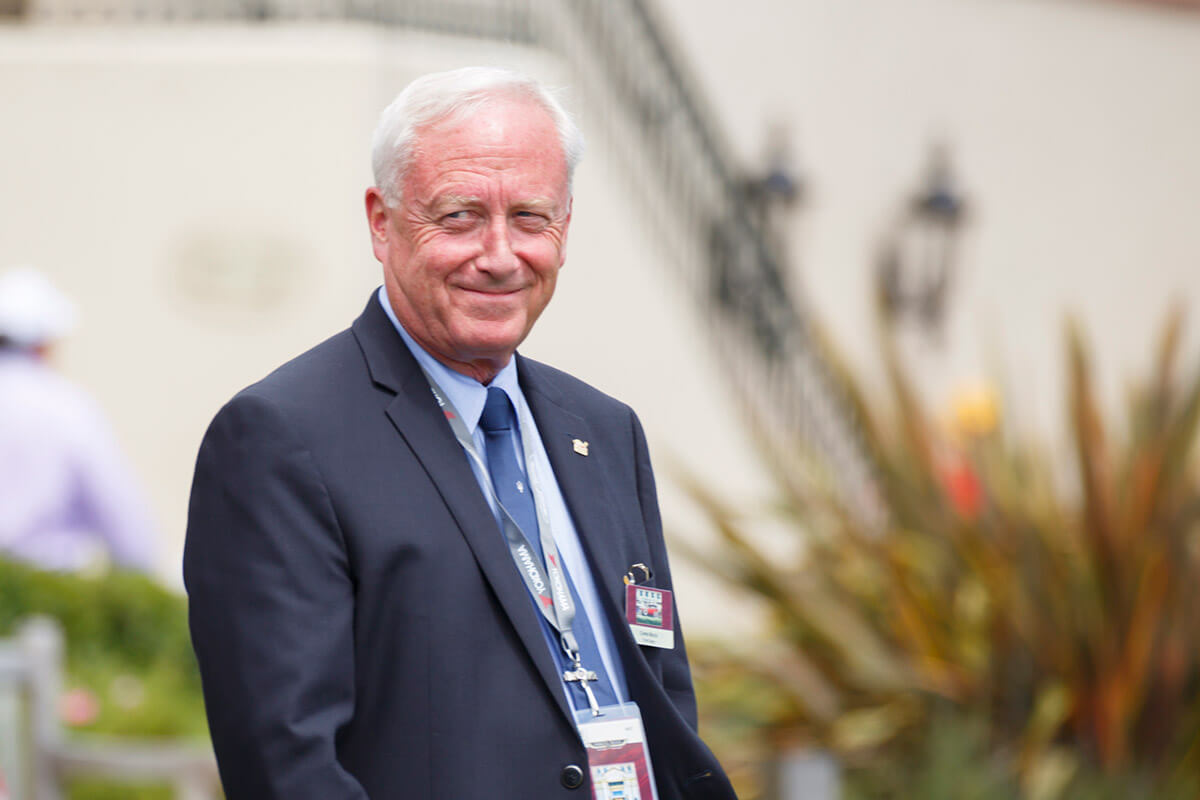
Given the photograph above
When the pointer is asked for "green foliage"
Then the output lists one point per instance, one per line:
(127, 646)
(1063, 616)
(108, 790)
(119, 612)
(949, 762)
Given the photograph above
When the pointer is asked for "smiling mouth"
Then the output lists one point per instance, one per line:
(492, 292)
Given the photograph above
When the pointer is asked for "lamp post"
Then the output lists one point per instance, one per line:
(917, 262)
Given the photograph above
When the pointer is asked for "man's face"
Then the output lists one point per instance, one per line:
(471, 256)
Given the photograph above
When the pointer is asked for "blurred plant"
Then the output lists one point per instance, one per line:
(129, 665)
(1066, 617)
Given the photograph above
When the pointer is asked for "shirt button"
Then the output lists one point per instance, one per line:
(571, 777)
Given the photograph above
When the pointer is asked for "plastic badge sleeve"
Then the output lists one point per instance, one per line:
(618, 759)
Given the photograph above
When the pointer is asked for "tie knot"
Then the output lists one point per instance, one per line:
(497, 412)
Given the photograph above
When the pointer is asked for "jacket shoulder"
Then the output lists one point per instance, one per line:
(540, 377)
(315, 381)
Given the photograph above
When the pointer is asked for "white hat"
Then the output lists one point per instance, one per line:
(32, 311)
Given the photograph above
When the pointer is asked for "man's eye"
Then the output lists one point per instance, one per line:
(529, 219)
(463, 220)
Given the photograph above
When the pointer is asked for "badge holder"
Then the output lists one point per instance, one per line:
(650, 612)
(618, 758)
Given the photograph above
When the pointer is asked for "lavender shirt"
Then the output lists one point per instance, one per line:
(66, 494)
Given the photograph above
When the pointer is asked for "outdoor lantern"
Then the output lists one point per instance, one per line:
(917, 263)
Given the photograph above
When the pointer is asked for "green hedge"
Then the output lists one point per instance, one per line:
(127, 644)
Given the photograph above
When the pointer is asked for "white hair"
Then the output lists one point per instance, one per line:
(451, 96)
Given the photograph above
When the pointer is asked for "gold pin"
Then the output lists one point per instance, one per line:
(580, 446)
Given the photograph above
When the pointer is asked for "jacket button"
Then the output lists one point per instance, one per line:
(571, 777)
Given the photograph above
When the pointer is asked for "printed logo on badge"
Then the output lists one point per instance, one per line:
(649, 607)
(650, 615)
(616, 782)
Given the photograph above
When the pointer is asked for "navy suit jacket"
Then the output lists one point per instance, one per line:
(361, 629)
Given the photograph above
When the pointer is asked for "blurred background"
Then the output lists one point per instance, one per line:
(898, 289)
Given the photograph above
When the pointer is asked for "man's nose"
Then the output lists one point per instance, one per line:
(498, 256)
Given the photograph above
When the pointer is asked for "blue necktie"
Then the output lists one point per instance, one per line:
(498, 423)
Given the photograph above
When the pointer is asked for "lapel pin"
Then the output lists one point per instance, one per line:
(580, 446)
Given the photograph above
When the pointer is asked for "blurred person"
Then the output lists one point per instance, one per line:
(419, 564)
(68, 500)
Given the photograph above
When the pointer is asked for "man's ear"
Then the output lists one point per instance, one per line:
(378, 222)
(566, 229)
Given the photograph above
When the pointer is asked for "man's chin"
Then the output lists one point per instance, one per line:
(493, 339)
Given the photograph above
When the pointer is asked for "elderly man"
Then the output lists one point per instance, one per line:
(420, 565)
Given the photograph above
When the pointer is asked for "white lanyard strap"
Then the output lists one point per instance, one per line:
(546, 582)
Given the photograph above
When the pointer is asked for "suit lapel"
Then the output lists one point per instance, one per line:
(584, 484)
(417, 418)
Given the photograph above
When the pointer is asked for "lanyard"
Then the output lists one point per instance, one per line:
(548, 583)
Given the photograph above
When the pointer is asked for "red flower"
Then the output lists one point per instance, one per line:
(962, 486)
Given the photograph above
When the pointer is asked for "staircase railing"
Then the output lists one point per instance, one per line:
(704, 211)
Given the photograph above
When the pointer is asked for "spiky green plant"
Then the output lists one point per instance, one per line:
(1065, 614)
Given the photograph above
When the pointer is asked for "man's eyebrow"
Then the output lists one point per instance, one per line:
(544, 204)
(457, 200)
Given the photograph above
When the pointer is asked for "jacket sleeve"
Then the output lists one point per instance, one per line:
(677, 676)
(270, 609)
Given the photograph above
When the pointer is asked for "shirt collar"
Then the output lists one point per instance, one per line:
(466, 394)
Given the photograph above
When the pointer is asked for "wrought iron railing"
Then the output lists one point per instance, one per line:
(677, 163)
(684, 171)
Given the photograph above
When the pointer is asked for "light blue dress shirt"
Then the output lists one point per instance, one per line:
(468, 396)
